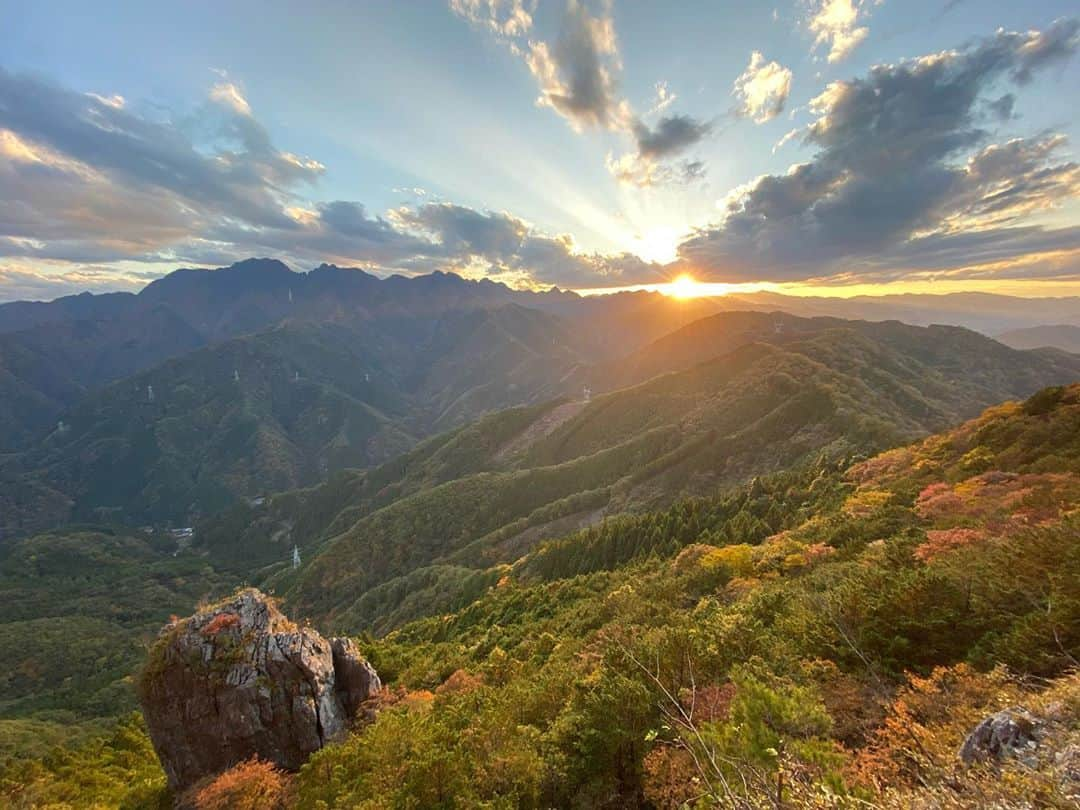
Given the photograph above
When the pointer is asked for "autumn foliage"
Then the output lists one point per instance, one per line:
(251, 785)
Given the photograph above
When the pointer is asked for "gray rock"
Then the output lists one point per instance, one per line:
(356, 679)
(1067, 763)
(241, 680)
(1009, 733)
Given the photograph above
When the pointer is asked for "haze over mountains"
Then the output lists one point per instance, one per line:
(1061, 336)
(213, 386)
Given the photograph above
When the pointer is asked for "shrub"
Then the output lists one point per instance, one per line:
(251, 785)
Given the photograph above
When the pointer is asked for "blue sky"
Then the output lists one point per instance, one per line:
(585, 144)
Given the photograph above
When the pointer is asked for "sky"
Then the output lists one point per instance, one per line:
(806, 146)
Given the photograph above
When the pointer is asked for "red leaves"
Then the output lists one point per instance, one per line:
(220, 622)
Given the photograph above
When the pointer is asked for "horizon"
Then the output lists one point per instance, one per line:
(695, 290)
(829, 148)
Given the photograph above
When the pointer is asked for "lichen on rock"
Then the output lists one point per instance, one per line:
(240, 680)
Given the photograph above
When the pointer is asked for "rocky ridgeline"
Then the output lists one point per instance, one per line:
(240, 680)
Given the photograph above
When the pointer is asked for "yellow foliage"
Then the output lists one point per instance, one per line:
(864, 502)
(733, 561)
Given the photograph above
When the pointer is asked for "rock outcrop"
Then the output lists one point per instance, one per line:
(1008, 733)
(240, 680)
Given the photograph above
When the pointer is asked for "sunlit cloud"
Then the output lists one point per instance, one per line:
(229, 94)
(902, 173)
(577, 74)
(835, 24)
(665, 97)
(506, 18)
(763, 89)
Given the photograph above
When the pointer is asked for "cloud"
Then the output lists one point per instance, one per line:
(21, 284)
(835, 23)
(505, 18)
(633, 169)
(762, 89)
(664, 98)
(577, 73)
(672, 135)
(498, 243)
(902, 168)
(85, 179)
(89, 173)
(229, 95)
(650, 164)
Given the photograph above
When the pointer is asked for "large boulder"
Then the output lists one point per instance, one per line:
(1008, 733)
(240, 680)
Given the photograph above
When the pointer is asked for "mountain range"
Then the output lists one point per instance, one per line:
(211, 387)
(1061, 336)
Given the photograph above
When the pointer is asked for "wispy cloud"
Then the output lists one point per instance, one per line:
(505, 18)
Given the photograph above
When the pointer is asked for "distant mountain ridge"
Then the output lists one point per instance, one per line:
(51, 354)
(1061, 336)
(211, 386)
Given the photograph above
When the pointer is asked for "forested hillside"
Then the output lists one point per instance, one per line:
(409, 537)
(274, 411)
(824, 636)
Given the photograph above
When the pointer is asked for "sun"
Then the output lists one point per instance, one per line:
(684, 287)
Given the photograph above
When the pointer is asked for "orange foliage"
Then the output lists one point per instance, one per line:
(251, 785)
(926, 723)
(459, 681)
(882, 467)
(221, 622)
(417, 699)
(708, 703)
(941, 541)
(671, 778)
(1004, 502)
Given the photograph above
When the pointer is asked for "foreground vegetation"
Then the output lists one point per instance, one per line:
(820, 637)
(77, 612)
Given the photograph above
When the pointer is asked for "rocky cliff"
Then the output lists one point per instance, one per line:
(240, 680)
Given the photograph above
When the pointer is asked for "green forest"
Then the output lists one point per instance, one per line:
(819, 637)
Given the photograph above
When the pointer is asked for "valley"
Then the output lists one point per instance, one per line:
(486, 493)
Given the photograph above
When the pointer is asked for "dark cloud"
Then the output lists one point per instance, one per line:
(650, 164)
(672, 135)
(242, 174)
(465, 231)
(1002, 108)
(84, 179)
(577, 73)
(900, 156)
(500, 243)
